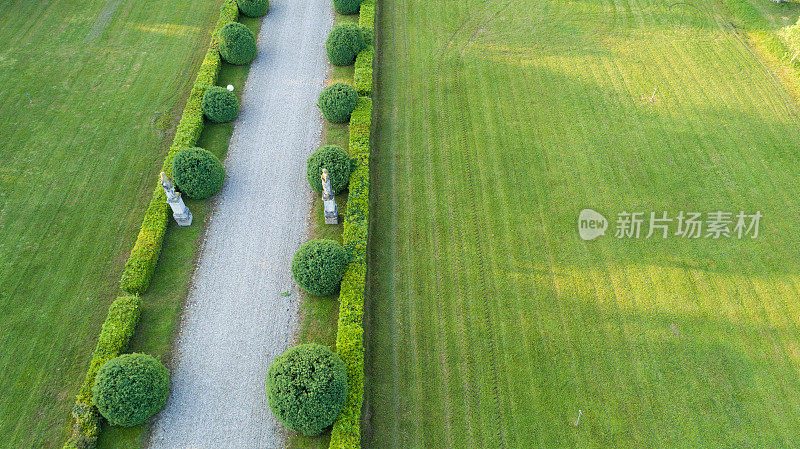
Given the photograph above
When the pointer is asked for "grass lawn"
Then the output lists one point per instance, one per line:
(91, 91)
(490, 322)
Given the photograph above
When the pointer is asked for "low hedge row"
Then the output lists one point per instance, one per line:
(346, 433)
(123, 315)
(362, 77)
(366, 19)
(144, 255)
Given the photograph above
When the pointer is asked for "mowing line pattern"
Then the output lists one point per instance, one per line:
(491, 322)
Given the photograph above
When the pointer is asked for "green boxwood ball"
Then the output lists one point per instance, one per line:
(130, 388)
(336, 160)
(347, 7)
(237, 44)
(318, 266)
(220, 105)
(337, 102)
(307, 388)
(253, 8)
(197, 172)
(343, 44)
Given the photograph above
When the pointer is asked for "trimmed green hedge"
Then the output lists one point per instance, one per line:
(337, 102)
(346, 7)
(307, 388)
(142, 262)
(253, 8)
(123, 315)
(362, 76)
(366, 19)
(124, 312)
(219, 104)
(336, 161)
(130, 388)
(144, 255)
(197, 172)
(346, 433)
(318, 266)
(237, 44)
(344, 43)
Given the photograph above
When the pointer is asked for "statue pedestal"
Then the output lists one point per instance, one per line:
(331, 211)
(180, 212)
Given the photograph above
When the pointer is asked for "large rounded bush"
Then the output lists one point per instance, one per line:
(130, 388)
(307, 388)
(347, 7)
(336, 160)
(337, 102)
(318, 266)
(237, 44)
(220, 105)
(198, 174)
(343, 44)
(253, 8)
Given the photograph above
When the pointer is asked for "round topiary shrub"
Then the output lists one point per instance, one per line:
(237, 44)
(130, 388)
(343, 44)
(197, 172)
(307, 388)
(347, 7)
(337, 102)
(220, 105)
(336, 160)
(318, 266)
(253, 8)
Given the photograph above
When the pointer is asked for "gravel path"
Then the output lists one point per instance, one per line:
(236, 321)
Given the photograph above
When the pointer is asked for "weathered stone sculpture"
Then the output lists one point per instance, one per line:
(330, 209)
(180, 212)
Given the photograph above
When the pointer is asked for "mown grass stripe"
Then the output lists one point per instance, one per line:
(436, 300)
(491, 173)
(472, 184)
(452, 150)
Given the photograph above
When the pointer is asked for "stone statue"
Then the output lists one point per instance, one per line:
(327, 188)
(330, 209)
(180, 212)
(169, 188)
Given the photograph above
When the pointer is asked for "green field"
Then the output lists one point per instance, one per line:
(91, 91)
(490, 322)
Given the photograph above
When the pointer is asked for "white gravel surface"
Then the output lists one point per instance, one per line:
(236, 320)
